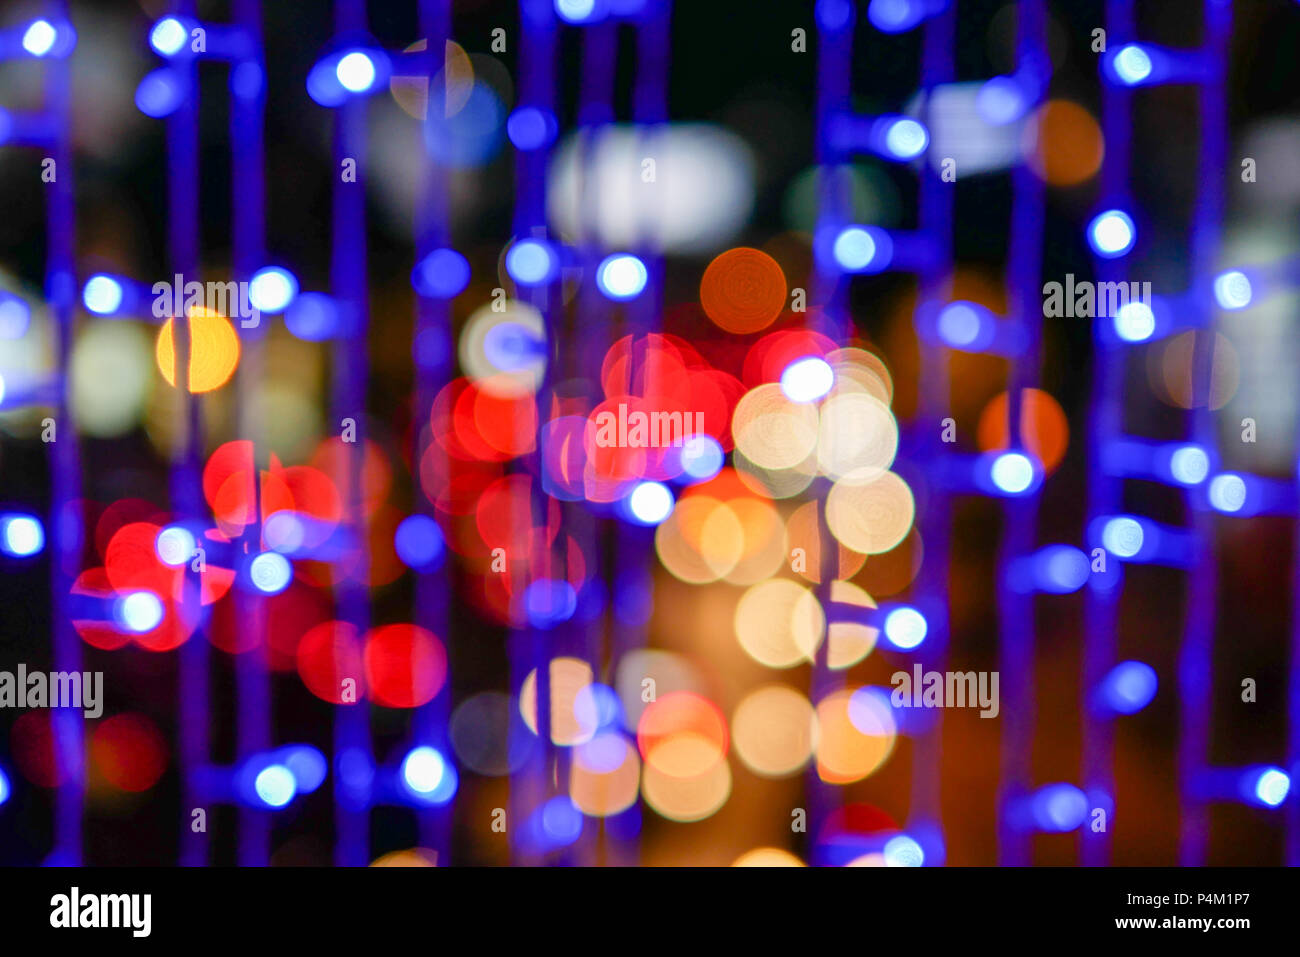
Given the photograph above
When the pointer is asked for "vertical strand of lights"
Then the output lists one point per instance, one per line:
(835, 21)
(352, 744)
(1105, 491)
(839, 134)
(1292, 849)
(1196, 661)
(1292, 852)
(65, 522)
(1016, 606)
(590, 331)
(186, 499)
(934, 285)
(530, 644)
(432, 338)
(248, 227)
(633, 560)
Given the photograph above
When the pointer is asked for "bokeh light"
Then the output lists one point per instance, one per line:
(743, 290)
(214, 351)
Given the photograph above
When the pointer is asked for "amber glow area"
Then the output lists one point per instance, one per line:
(774, 730)
(767, 857)
(856, 733)
(214, 350)
(743, 290)
(1043, 428)
(568, 677)
(1064, 143)
(413, 857)
(870, 516)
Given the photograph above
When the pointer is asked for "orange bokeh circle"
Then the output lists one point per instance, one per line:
(743, 290)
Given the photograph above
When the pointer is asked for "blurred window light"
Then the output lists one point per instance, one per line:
(964, 141)
(613, 184)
